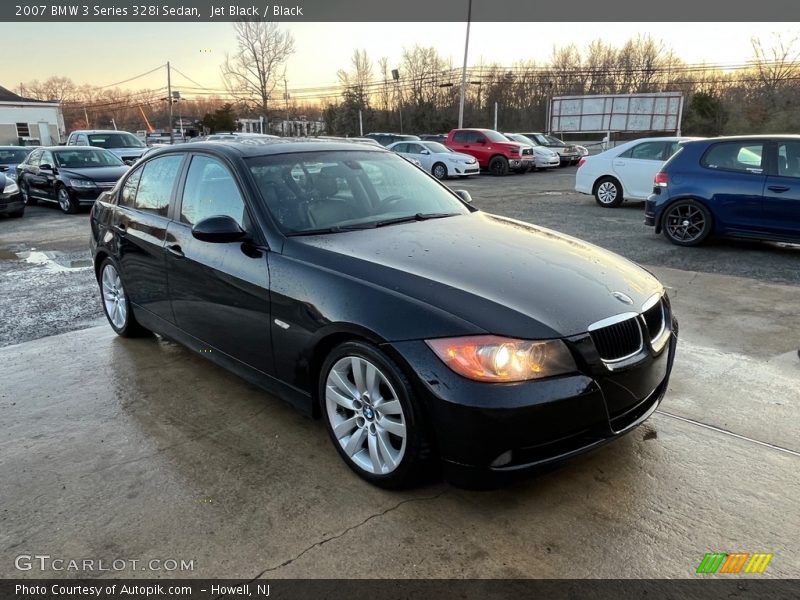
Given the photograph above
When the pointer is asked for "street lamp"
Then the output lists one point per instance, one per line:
(396, 77)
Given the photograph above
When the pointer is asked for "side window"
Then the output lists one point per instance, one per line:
(211, 191)
(129, 188)
(34, 158)
(645, 151)
(789, 159)
(71, 139)
(47, 159)
(672, 148)
(745, 157)
(461, 137)
(401, 148)
(82, 140)
(476, 137)
(156, 183)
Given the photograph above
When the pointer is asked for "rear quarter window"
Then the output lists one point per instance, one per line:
(743, 157)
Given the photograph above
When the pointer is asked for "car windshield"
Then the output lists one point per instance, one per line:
(86, 159)
(115, 140)
(518, 138)
(537, 138)
(333, 191)
(555, 141)
(12, 156)
(494, 136)
(436, 147)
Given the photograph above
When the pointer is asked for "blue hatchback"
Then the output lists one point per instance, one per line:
(744, 187)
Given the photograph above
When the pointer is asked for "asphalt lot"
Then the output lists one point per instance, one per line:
(137, 449)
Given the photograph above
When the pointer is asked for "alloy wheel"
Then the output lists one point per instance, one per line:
(64, 200)
(365, 415)
(114, 297)
(439, 171)
(685, 223)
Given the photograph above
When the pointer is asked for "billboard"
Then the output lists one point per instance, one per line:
(660, 111)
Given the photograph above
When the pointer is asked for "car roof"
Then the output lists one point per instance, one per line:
(248, 147)
(100, 131)
(74, 148)
(762, 137)
(18, 147)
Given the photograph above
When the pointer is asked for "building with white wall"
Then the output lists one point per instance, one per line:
(28, 122)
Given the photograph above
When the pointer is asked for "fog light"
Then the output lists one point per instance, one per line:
(503, 459)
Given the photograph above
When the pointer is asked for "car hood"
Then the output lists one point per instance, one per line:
(458, 156)
(96, 173)
(506, 277)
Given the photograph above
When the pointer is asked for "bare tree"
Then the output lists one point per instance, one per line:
(252, 72)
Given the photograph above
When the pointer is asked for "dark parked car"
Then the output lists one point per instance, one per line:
(69, 176)
(744, 187)
(11, 203)
(434, 137)
(124, 145)
(356, 286)
(11, 156)
(384, 139)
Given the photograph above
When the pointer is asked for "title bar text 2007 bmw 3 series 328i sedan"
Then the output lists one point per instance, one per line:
(353, 284)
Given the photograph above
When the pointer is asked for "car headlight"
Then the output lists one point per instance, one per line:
(82, 183)
(496, 359)
(11, 187)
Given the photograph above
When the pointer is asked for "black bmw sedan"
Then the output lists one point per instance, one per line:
(357, 287)
(68, 176)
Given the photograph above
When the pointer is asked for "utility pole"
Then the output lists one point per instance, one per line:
(169, 99)
(286, 99)
(86, 115)
(464, 71)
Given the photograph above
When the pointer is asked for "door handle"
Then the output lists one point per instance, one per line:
(176, 250)
(120, 227)
(619, 163)
(778, 188)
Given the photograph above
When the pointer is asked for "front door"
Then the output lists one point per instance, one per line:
(219, 291)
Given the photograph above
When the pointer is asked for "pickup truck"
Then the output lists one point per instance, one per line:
(493, 151)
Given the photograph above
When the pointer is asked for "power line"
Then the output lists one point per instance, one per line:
(132, 78)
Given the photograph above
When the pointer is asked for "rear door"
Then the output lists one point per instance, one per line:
(219, 291)
(781, 208)
(637, 166)
(140, 227)
(28, 171)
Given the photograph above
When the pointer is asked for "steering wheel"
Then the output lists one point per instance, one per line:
(391, 201)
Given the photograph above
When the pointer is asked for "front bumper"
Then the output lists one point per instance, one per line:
(485, 428)
(519, 163)
(10, 203)
(464, 169)
(546, 163)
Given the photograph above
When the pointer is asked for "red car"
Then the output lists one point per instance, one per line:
(492, 149)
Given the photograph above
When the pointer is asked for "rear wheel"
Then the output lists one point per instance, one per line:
(498, 166)
(687, 223)
(372, 416)
(608, 192)
(66, 202)
(116, 304)
(439, 171)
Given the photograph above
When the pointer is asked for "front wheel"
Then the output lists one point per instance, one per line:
(116, 304)
(687, 223)
(25, 192)
(372, 416)
(65, 202)
(498, 166)
(17, 213)
(439, 171)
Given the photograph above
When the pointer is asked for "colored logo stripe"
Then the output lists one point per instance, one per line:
(720, 562)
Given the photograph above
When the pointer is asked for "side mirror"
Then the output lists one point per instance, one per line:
(424, 151)
(464, 195)
(45, 167)
(219, 230)
(3, 182)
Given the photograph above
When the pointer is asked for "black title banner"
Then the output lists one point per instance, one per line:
(399, 11)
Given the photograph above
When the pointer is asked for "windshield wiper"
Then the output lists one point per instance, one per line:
(334, 229)
(416, 217)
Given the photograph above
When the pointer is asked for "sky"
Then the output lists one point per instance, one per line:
(107, 53)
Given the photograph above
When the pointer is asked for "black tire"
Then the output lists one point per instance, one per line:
(25, 192)
(66, 202)
(131, 327)
(439, 170)
(17, 213)
(498, 166)
(687, 223)
(608, 192)
(416, 459)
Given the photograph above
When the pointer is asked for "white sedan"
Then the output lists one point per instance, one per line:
(625, 172)
(437, 159)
